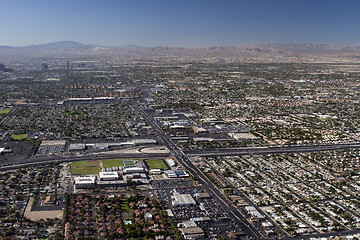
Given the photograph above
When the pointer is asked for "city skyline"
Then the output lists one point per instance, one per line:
(179, 24)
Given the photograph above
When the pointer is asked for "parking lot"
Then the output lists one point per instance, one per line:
(216, 230)
(51, 148)
(171, 183)
(205, 207)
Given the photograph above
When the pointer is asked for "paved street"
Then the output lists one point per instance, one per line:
(269, 150)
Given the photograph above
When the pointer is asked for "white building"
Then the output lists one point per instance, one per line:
(182, 199)
(77, 147)
(108, 176)
(155, 171)
(170, 162)
(84, 181)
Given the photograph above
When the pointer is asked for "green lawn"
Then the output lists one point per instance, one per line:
(125, 206)
(108, 163)
(156, 164)
(5, 111)
(85, 168)
(19, 137)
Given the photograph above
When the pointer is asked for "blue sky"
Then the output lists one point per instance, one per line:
(179, 23)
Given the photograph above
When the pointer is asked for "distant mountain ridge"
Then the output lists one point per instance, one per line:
(62, 44)
(262, 47)
(267, 52)
(69, 44)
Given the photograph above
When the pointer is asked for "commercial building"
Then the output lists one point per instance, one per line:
(182, 199)
(77, 147)
(241, 136)
(84, 181)
(134, 170)
(176, 174)
(192, 232)
(170, 162)
(155, 171)
(101, 146)
(202, 195)
(137, 177)
(109, 176)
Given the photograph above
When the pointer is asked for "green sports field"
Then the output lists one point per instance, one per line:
(85, 168)
(19, 137)
(108, 163)
(5, 111)
(156, 164)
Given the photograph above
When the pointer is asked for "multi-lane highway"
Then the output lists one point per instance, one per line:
(191, 153)
(269, 150)
(9, 164)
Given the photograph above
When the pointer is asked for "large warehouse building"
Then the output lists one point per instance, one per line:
(182, 199)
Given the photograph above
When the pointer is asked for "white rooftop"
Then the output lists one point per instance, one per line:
(108, 174)
(77, 146)
(84, 180)
(182, 199)
(170, 162)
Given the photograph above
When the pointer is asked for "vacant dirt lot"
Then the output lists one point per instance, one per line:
(37, 215)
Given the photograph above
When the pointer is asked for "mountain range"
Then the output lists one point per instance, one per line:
(289, 51)
(66, 44)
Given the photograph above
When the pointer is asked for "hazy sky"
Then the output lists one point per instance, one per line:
(181, 23)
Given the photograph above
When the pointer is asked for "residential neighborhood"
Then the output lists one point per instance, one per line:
(188, 147)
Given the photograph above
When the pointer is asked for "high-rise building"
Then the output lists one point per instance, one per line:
(44, 66)
(67, 65)
(2, 67)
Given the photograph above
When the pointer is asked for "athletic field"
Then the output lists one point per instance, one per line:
(85, 168)
(157, 164)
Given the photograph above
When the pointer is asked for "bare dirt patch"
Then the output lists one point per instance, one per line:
(37, 215)
(93, 162)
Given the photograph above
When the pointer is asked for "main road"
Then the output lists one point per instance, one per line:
(23, 162)
(269, 150)
(183, 159)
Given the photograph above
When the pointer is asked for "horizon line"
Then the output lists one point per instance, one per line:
(164, 46)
